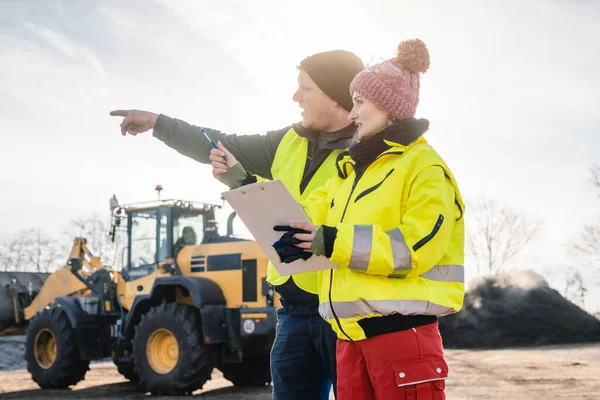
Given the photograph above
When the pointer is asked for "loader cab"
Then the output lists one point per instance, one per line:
(155, 234)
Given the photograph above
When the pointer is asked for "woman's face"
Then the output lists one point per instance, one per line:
(368, 118)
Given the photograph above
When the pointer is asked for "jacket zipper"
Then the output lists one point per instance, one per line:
(389, 153)
(427, 238)
(337, 320)
(373, 188)
(350, 197)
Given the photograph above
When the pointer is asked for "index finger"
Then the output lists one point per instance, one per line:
(221, 147)
(119, 113)
(302, 225)
(216, 152)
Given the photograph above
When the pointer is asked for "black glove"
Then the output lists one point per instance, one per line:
(285, 246)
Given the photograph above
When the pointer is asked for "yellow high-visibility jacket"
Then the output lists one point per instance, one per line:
(400, 239)
(288, 166)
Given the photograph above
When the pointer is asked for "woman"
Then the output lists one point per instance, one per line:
(392, 221)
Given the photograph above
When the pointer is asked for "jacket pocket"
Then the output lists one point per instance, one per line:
(421, 372)
(431, 235)
(373, 188)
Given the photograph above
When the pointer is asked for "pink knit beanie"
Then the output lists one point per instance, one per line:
(394, 84)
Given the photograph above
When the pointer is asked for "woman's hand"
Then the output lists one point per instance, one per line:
(220, 164)
(306, 238)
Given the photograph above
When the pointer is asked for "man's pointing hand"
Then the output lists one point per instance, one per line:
(135, 121)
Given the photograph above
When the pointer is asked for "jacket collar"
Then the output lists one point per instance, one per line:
(404, 132)
(362, 154)
(336, 140)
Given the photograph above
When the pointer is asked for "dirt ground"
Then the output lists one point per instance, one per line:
(557, 372)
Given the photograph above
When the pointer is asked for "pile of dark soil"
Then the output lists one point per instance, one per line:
(516, 308)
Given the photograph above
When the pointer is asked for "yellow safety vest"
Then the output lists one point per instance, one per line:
(288, 166)
(399, 243)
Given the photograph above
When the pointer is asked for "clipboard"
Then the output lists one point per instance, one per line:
(263, 205)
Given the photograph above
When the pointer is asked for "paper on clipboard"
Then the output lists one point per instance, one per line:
(263, 205)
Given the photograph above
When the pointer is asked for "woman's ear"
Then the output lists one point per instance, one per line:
(391, 120)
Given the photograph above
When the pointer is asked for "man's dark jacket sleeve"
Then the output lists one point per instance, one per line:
(255, 152)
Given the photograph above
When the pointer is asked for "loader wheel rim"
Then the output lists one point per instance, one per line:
(162, 351)
(44, 348)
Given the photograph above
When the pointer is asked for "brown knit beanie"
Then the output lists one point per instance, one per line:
(394, 84)
(332, 71)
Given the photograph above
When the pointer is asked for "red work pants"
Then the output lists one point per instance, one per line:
(401, 365)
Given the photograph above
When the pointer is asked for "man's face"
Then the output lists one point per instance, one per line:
(189, 237)
(317, 108)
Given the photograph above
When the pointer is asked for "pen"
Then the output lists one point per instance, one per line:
(212, 141)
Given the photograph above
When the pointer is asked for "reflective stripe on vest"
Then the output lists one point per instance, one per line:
(362, 308)
(361, 254)
(446, 273)
(401, 254)
(361, 248)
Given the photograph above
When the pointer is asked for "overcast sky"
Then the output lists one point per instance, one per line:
(511, 96)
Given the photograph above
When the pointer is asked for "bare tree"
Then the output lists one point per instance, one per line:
(45, 253)
(496, 234)
(31, 250)
(581, 289)
(575, 289)
(95, 230)
(586, 248)
(13, 253)
(34, 250)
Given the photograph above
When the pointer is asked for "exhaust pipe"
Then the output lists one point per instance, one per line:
(230, 223)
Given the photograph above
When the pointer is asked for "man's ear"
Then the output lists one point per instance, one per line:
(336, 104)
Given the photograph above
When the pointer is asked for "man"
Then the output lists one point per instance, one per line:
(303, 157)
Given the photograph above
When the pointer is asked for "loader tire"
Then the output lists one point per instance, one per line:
(169, 355)
(253, 371)
(127, 369)
(51, 351)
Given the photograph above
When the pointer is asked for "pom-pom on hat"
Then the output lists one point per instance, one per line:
(394, 84)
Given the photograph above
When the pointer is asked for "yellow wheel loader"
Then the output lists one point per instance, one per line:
(185, 301)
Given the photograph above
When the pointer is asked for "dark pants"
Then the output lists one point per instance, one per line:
(303, 356)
